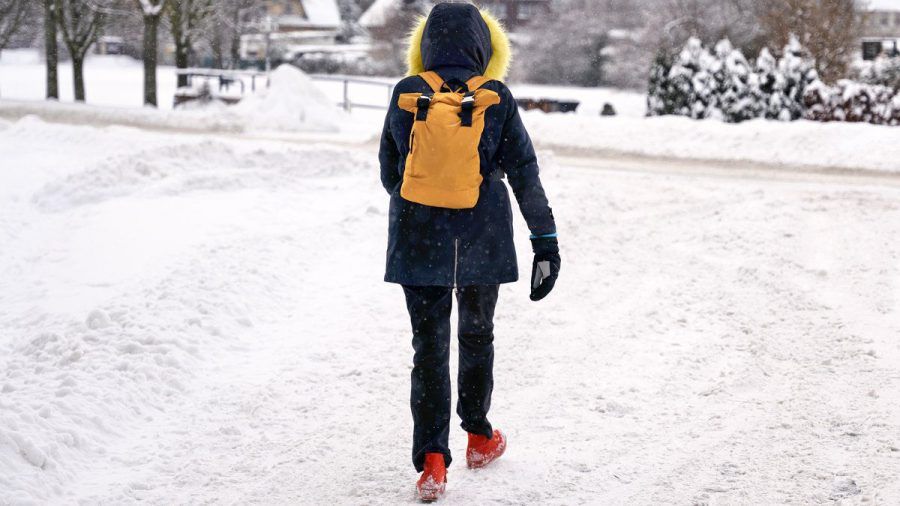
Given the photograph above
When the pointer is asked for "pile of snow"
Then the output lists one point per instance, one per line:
(798, 144)
(211, 120)
(130, 282)
(293, 102)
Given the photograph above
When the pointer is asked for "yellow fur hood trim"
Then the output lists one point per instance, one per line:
(501, 51)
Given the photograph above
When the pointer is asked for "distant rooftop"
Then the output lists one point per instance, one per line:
(884, 5)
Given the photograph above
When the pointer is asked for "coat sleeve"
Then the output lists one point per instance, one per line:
(516, 157)
(388, 154)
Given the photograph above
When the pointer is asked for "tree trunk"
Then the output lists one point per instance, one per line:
(236, 50)
(51, 49)
(236, 40)
(182, 61)
(78, 76)
(151, 42)
(218, 56)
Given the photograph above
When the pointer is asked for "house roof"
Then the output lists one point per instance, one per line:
(884, 5)
(318, 13)
(378, 13)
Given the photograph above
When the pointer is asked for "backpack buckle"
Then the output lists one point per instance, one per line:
(422, 105)
(468, 106)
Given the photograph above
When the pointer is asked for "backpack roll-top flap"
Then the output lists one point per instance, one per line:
(409, 102)
(443, 165)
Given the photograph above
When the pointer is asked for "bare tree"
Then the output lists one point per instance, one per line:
(51, 49)
(12, 14)
(672, 22)
(578, 58)
(830, 30)
(152, 11)
(230, 21)
(186, 18)
(80, 25)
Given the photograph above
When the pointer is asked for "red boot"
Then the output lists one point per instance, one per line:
(433, 482)
(482, 451)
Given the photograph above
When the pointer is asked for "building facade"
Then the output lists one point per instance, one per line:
(517, 13)
(289, 27)
(882, 29)
(513, 13)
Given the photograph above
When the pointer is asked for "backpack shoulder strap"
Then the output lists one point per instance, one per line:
(433, 79)
(477, 82)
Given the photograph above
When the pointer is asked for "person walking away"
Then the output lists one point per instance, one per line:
(451, 135)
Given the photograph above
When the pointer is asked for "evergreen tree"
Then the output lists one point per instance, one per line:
(660, 96)
(799, 72)
(737, 101)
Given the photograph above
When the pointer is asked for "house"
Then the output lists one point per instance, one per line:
(881, 34)
(381, 18)
(513, 13)
(289, 24)
(109, 44)
(517, 13)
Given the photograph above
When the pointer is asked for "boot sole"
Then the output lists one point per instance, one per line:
(429, 495)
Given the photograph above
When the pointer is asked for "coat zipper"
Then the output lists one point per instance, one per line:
(455, 262)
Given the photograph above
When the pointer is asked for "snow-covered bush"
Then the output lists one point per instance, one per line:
(799, 73)
(723, 84)
(736, 85)
(883, 71)
(852, 102)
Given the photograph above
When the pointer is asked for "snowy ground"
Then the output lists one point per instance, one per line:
(200, 318)
(194, 310)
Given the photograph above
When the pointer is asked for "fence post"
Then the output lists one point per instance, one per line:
(347, 95)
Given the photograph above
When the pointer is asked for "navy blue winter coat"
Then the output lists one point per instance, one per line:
(429, 246)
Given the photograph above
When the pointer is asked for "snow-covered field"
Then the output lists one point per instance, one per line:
(200, 319)
(116, 81)
(193, 313)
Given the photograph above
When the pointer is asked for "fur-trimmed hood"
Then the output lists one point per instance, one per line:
(460, 36)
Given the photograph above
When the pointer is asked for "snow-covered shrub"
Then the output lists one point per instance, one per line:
(687, 86)
(799, 72)
(737, 85)
(852, 102)
(882, 71)
(661, 96)
(724, 85)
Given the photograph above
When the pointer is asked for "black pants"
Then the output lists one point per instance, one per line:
(429, 311)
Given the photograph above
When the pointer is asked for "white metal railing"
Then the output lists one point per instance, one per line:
(228, 77)
(347, 103)
(225, 77)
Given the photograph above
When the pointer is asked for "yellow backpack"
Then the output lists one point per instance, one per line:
(443, 167)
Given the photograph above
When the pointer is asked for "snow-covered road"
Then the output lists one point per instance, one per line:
(200, 319)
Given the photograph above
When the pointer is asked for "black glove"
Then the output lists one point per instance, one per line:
(545, 268)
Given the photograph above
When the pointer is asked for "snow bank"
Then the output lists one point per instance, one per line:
(801, 144)
(112, 320)
(292, 102)
(81, 114)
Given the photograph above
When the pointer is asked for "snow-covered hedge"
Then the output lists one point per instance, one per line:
(853, 102)
(723, 84)
(882, 71)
